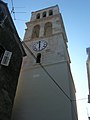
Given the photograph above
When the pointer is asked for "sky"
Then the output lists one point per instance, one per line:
(76, 18)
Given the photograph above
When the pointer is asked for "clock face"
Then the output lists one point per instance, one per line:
(39, 45)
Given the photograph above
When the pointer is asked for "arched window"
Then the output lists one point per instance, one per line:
(44, 14)
(38, 16)
(48, 29)
(38, 59)
(50, 12)
(36, 30)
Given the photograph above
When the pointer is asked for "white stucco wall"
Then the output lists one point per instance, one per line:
(39, 98)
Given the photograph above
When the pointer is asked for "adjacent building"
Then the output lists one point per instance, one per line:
(11, 55)
(46, 89)
(88, 71)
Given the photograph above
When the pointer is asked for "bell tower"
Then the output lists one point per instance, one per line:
(45, 34)
(45, 89)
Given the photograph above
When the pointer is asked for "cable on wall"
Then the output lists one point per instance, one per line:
(51, 78)
(14, 12)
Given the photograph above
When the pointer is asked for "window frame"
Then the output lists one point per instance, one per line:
(36, 31)
(50, 12)
(38, 58)
(44, 14)
(48, 25)
(38, 16)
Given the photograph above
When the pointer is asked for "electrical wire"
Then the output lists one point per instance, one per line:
(13, 10)
(12, 3)
(14, 13)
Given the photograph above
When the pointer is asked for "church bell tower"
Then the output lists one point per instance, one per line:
(45, 89)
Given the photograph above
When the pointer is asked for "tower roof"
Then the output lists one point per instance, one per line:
(51, 7)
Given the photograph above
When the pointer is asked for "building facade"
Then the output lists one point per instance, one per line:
(88, 71)
(11, 54)
(46, 88)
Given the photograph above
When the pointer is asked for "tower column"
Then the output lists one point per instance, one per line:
(41, 30)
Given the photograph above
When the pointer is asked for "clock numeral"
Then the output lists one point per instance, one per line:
(40, 45)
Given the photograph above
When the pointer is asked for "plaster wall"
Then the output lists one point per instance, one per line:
(39, 98)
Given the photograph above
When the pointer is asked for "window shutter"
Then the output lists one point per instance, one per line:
(6, 58)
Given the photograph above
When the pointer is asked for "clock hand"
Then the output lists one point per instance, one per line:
(39, 44)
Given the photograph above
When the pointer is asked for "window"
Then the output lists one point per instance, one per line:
(38, 59)
(36, 30)
(44, 14)
(48, 29)
(50, 12)
(2, 50)
(38, 16)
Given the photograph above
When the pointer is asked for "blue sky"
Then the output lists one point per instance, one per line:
(76, 17)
